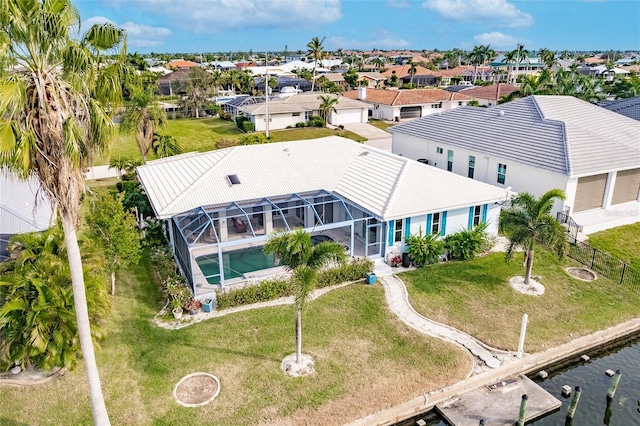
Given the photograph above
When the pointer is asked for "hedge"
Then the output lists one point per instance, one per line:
(274, 289)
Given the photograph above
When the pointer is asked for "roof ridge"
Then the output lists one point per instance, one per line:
(202, 176)
(394, 192)
(567, 157)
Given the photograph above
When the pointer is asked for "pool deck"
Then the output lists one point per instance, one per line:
(499, 403)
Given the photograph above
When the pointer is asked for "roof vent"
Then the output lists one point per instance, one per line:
(363, 153)
(233, 179)
(501, 113)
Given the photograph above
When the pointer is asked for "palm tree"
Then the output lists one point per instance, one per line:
(476, 56)
(487, 54)
(57, 94)
(521, 54)
(144, 114)
(165, 146)
(412, 70)
(327, 106)
(509, 59)
(548, 58)
(315, 49)
(529, 221)
(296, 252)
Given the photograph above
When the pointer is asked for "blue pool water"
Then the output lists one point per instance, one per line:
(236, 264)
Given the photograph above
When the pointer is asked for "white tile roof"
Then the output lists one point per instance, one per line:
(558, 133)
(387, 185)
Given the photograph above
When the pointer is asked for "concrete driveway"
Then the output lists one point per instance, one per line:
(377, 138)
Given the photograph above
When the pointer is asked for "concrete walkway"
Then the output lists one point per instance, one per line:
(398, 301)
(377, 138)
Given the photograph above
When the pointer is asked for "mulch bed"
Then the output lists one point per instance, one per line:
(197, 389)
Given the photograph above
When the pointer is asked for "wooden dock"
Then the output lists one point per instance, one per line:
(498, 403)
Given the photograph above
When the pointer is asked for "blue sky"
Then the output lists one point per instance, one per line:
(233, 25)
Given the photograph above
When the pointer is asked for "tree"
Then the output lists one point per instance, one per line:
(476, 56)
(425, 248)
(327, 105)
(521, 54)
(198, 89)
(548, 57)
(296, 252)
(529, 221)
(412, 70)
(165, 146)
(144, 115)
(316, 50)
(116, 230)
(351, 77)
(57, 94)
(487, 54)
(510, 58)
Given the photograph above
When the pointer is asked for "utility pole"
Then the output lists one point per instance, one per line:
(266, 92)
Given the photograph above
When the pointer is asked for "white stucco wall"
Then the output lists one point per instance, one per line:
(520, 177)
(347, 116)
(278, 121)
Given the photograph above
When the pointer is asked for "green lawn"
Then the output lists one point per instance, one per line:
(202, 134)
(366, 360)
(622, 242)
(475, 296)
(380, 124)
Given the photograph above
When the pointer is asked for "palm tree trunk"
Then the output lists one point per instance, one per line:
(313, 79)
(527, 276)
(113, 283)
(298, 336)
(98, 407)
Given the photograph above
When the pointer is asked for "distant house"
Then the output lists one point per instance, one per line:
(403, 71)
(373, 79)
(222, 206)
(333, 77)
(490, 95)
(629, 107)
(535, 144)
(407, 104)
(468, 73)
(281, 82)
(289, 111)
(22, 208)
(606, 72)
(529, 65)
(431, 78)
(180, 64)
(173, 83)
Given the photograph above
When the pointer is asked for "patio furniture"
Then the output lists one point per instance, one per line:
(239, 225)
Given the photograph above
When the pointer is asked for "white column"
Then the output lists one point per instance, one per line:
(224, 233)
(608, 191)
(268, 219)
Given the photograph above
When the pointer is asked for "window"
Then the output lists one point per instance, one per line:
(295, 114)
(439, 150)
(460, 103)
(449, 160)
(502, 173)
(476, 215)
(435, 223)
(399, 226)
(472, 166)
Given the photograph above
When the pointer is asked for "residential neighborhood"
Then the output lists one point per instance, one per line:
(326, 213)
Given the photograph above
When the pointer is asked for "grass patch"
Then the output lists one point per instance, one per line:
(622, 242)
(475, 296)
(383, 125)
(366, 360)
(202, 134)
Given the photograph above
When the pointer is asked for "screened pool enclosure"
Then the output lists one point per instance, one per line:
(222, 244)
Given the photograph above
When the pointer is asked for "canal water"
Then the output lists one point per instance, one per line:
(593, 408)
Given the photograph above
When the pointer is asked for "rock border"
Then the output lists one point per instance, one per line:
(200, 404)
(584, 268)
(534, 288)
(293, 369)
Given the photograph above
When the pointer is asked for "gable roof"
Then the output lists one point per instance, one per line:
(403, 70)
(385, 184)
(181, 63)
(629, 107)
(561, 134)
(407, 97)
(493, 92)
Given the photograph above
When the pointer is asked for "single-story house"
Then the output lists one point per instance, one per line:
(535, 144)
(490, 95)
(432, 78)
(403, 71)
(181, 64)
(373, 79)
(222, 206)
(465, 73)
(173, 83)
(334, 77)
(629, 107)
(407, 104)
(288, 111)
(22, 208)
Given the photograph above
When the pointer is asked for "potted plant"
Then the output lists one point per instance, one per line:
(177, 308)
(193, 306)
(207, 305)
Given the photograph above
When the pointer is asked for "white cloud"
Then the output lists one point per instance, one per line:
(381, 40)
(212, 16)
(495, 12)
(138, 35)
(496, 40)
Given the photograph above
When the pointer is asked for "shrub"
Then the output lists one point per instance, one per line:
(248, 126)
(301, 124)
(425, 248)
(467, 243)
(316, 121)
(274, 289)
(253, 139)
(226, 143)
(225, 115)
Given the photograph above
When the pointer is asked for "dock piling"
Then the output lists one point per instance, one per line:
(523, 409)
(574, 403)
(614, 384)
(523, 331)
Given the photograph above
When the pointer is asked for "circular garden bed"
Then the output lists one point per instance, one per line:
(196, 389)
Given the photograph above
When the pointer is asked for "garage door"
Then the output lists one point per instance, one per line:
(410, 112)
(590, 192)
(346, 116)
(627, 186)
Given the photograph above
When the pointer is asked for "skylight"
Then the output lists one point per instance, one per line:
(233, 179)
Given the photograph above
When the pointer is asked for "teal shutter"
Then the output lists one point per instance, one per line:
(470, 222)
(407, 227)
(429, 222)
(485, 207)
(444, 224)
(391, 229)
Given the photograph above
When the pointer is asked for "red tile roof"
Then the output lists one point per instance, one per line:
(407, 97)
(180, 63)
(403, 71)
(494, 92)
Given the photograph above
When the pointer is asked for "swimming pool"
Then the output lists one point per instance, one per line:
(236, 263)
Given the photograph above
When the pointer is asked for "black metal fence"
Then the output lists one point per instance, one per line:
(572, 227)
(606, 265)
